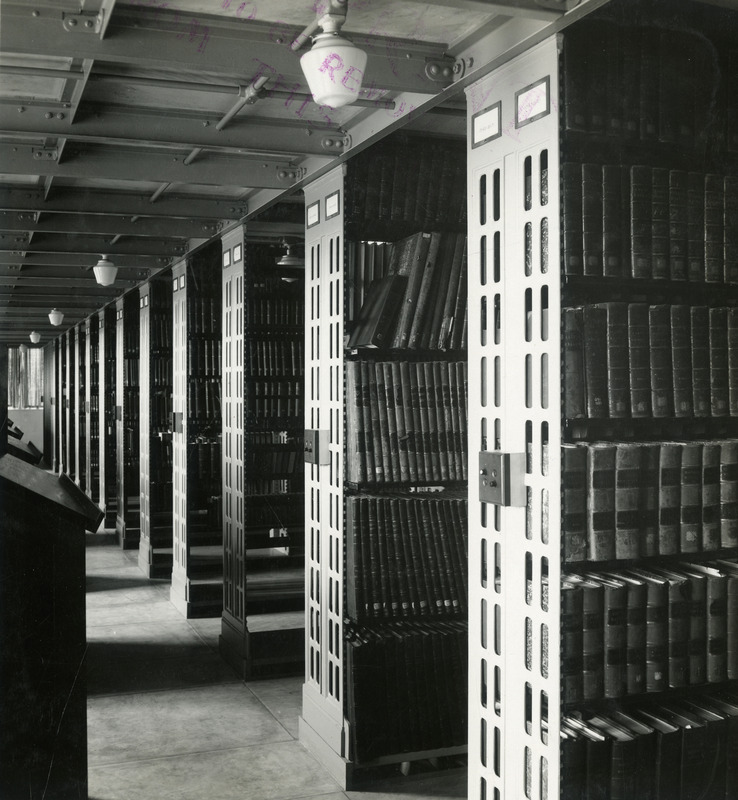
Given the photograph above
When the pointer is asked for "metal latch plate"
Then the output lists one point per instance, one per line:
(316, 447)
(501, 478)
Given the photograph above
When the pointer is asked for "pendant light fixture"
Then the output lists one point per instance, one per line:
(105, 271)
(334, 67)
(290, 262)
(35, 337)
(55, 316)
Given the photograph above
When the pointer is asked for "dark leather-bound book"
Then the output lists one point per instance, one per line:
(593, 631)
(601, 521)
(680, 600)
(716, 607)
(595, 362)
(670, 497)
(690, 519)
(640, 221)
(635, 632)
(571, 218)
(662, 374)
(700, 332)
(615, 191)
(639, 356)
(592, 219)
(572, 632)
(574, 502)
(615, 605)
(628, 501)
(678, 219)
(681, 357)
(618, 361)
(377, 318)
(696, 227)
(574, 401)
(660, 267)
(729, 493)
(714, 229)
(657, 630)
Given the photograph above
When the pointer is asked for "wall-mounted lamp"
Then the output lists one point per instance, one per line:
(105, 271)
(55, 316)
(35, 337)
(333, 67)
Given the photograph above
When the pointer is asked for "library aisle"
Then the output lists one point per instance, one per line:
(168, 719)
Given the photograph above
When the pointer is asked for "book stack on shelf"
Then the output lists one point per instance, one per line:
(128, 522)
(650, 460)
(197, 574)
(273, 439)
(92, 408)
(405, 450)
(155, 547)
(108, 402)
(81, 404)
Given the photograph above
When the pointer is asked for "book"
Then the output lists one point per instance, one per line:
(628, 501)
(716, 607)
(639, 357)
(730, 570)
(635, 632)
(593, 631)
(574, 400)
(668, 753)
(732, 344)
(571, 218)
(670, 493)
(718, 338)
(615, 604)
(415, 266)
(572, 632)
(679, 607)
(690, 521)
(662, 396)
(649, 501)
(378, 315)
(711, 534)
(595, 361)
(640, 221)
(592, 219)
(601, 517)
(618, 364)
(657, 630)
(678, 229)
(574, 502)
(660, 264)
(614, 199)
(423, 298)
(681, 357)
(714, 229)
(700, 337)
(729, 493)
(730, 236)
(696, 226)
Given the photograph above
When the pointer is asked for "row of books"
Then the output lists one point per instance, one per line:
(272, 453)
(273, 399)
(653, 84)
(130, 371)
(160, 328)
(131, 342)
(160, 495)
(649, 222)
(418, 183)
(407, 687)
(277, 357)
(204, 357)
(406, 557)
(624, 360)
(203, 314)
(275, 511)
(161, 371)
(365, 263)
(161, 410)
(648, 629)
(406, 421)
(275, 311)
(203, 400)
(626, 500)
(420, 303)
(256, 487)
(678, 748)
(204, 459)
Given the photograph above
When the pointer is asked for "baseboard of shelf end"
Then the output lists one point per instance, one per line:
(128, 537)
(338, 767)
(192, 603)
(152, 563)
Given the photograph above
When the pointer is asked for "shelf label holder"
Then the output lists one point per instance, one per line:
(316, 447)
(501, 478)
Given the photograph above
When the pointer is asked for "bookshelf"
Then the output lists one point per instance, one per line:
(262, 628)
(70, 405)
(127, 421)
(92, 408)
(155, 432)
(107, 393)
(599, 390)
(50, 406)
(385, 479)
(80, 389)
(197, 571)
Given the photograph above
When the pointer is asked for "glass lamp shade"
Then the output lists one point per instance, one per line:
(105, 272)
(55, 316)
(334, 70)
(35, 337)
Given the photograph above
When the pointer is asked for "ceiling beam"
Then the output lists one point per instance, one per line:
(23, 280)
(109, 225)
(69, 243)
(34, 300)
(59, 260)
(113, 125)
(135, 165)
(96, 202)
(166, 38)
(532, 9)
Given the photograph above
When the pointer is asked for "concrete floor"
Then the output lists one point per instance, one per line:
(169, 720)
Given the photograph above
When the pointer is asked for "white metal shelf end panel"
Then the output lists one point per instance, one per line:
(323, 700)
(514, 408)
(144, 415)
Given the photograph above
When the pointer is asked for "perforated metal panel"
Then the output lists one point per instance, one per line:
(179, 435)
(234, 578)
(324, 272)
(144, 431)
(514, 406)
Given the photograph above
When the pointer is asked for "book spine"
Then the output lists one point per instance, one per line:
(660, 267)
(618, 365)
(714, 229)
(601, 519)
(574, 501)
(571, 218)
(636, 637)
(729, 493)
(639, 356)
(572, 631)
(732, 321)
(640, 221)
(719, 361)
(711, 538)
(394, 380)
(657, 632)
(697, 646)
(592, 218)
(574, 403)
(681, 355)
(595, 361)
(649, 502)
(678, 225)
(356, 450)
(670, 485)
(690, 523)
(628, 501)
(699, 329)
(679, 624)
(696, 227)
(662, 395)
(613, 177)
(593, 670)
(730, 234)
(717, 628)
(615, 608)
